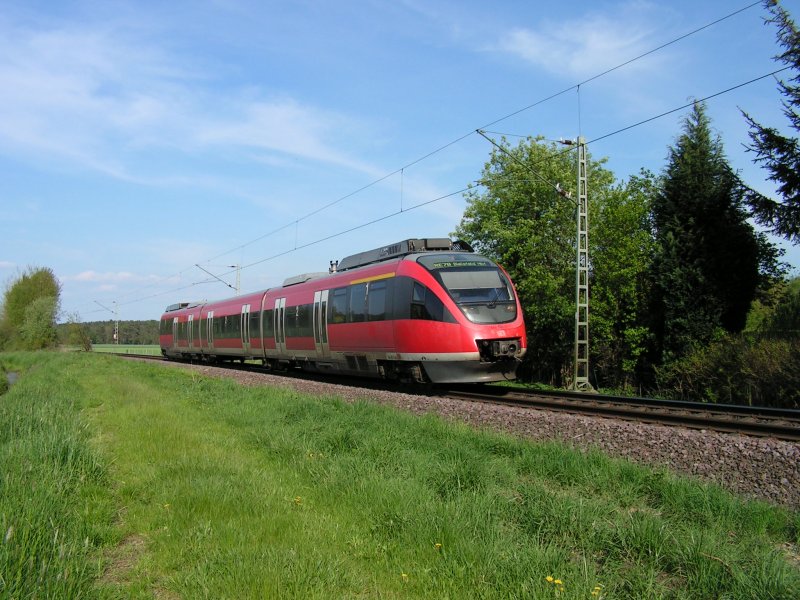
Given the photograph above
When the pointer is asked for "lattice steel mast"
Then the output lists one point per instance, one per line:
(581, 367)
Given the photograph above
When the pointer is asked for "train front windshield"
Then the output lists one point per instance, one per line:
(479, 288)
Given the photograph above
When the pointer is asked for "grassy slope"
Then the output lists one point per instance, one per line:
(193, 487)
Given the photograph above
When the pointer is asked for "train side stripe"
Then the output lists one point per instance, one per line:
(373, 278)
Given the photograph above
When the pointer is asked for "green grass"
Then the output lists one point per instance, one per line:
(162, 482)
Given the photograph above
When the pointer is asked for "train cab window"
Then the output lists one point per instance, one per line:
(426, 305)
(338, 306)
(358, 301)
(477, 285)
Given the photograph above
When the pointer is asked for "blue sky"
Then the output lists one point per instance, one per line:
(138, 139)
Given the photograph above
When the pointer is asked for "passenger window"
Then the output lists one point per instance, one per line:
(338, 306)
(358, 299)
(304, 323)
(376, 301)
(269, 324)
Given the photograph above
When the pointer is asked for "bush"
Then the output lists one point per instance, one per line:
(735, 370)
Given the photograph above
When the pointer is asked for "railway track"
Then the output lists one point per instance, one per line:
(746, 420)
(780, 424)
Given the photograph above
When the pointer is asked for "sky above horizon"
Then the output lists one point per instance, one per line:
(141, 139)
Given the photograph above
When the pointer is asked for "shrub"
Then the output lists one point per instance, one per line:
(735, 370)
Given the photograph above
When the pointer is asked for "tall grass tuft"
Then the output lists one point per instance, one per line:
(54, 511)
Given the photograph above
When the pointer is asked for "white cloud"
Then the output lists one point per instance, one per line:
(284, 127)
(588, 45)
(101, 98)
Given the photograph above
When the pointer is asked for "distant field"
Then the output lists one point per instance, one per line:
(122, 479)
(154, 349)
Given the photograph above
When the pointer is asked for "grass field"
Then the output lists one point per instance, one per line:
(131, 480)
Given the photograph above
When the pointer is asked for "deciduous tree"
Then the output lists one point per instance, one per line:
(32, 285)
(621, 249)
(38, 330)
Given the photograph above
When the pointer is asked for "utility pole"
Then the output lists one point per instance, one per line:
(581, 368)
(116, 319)
(238, 277)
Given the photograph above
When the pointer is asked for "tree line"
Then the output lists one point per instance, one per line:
(102, 332)
(687, 299)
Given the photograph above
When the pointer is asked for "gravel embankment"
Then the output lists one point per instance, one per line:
(766, 469)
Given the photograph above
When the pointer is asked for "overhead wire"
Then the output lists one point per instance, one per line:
(478, 182)
(484, 127)
(441, 149)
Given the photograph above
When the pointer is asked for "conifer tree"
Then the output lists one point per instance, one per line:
(780, 154)
(709, 260)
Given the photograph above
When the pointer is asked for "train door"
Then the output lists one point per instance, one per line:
(210, 329)
(190, 333)
(279, 328)
(245, 328)
(175, 333)
(321, 323)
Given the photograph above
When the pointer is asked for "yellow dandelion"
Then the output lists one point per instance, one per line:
(549, 579)
(558, 582)
(404, 576)
(438, 545)
(298, 500)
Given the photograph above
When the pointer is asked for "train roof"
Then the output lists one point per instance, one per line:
(404, 248)
(362, 259)
(181, 306)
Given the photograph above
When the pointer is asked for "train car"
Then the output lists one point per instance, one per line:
(427, 310)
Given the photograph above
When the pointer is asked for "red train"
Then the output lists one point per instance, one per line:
(428, 310)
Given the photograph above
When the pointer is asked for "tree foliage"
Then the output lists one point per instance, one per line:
(783, 322)
(38, 330)
(33, 294)
(709, 261)
(778, 153)
(621, 250)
